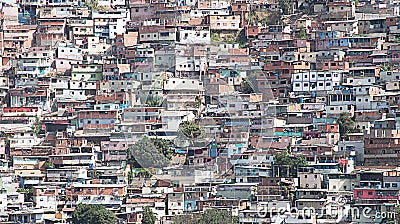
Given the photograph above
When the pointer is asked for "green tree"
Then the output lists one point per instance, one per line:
(274, 18)
(190, 129)
(283, 158)
(241, 38)
(287, 165)
(217, 216)
(130, 177)
(393, 216)
(143, 173)
(184, 219)
(37, 126)
(28, 193)
(92, 5)
(302, 33)
(209, 216)
(253, 18)
(346, 125)
(215, 37)
(154, 100)
(49, 165)
(25, 190)
(148, 216)
(385, 67)
(285, 5)
(145, 154)
(93, 214)
(165, 146)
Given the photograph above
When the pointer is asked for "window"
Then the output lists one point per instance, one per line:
(164, 34)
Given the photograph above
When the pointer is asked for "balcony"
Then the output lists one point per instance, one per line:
(77, 162)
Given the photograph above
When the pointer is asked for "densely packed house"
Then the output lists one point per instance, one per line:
(272, 111)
